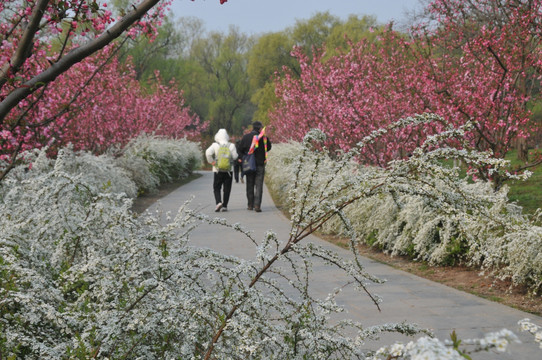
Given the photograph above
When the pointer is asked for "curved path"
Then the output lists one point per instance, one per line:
(406, 297)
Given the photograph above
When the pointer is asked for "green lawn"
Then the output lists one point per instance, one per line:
(528, 193)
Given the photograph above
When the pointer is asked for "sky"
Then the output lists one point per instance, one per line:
(254, 17)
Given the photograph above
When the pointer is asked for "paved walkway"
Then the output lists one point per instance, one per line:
(406, 297)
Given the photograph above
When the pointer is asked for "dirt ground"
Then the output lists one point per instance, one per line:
(457, 277)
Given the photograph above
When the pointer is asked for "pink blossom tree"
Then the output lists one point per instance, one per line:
(106, 115)
(353, 94)
(485, 60)
(485, 74)
(40, 41)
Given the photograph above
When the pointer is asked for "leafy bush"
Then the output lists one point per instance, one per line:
(167, 159)
(422, 208)
(101, 171)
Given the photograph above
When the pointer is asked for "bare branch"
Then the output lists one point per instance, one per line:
(25, 46)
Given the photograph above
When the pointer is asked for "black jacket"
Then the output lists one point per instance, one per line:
(259, 153)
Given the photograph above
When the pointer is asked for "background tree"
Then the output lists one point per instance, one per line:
(224, 60)
(190, 77)
(168, 52)
(313, 33)
(270, 54)
(151, 54)
(353, 30)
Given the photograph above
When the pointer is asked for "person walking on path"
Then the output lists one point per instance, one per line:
(256, 141)
(221, 154)
(237, 165)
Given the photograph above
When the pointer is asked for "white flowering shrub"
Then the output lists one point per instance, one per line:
(100, 171)
(166, 159)
(145, 163)
(139, 170)
(417, 207)
(81, 276)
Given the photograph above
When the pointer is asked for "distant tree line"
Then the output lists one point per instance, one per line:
(228, 79)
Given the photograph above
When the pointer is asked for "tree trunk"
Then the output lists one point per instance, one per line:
(521, 147)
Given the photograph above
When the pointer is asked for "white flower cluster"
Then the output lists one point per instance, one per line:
(499, 341)
(536, 330)
(426, 348)
(420, 206)
(152, 160)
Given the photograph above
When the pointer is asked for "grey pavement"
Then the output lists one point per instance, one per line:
(406, 297)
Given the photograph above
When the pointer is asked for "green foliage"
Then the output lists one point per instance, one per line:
(456, 342)
(313, 33)
(457, 250)
(354, 30)
(268, 55)
(372, 238)
(264, 99)
(153, 55)
(528, 193)
(196, 84)
(224, 59)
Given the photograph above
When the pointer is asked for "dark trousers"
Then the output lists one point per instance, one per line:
(237, 170)
(222, 179)
(255, 187)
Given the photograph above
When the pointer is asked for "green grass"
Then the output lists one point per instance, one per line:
(528, 193)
